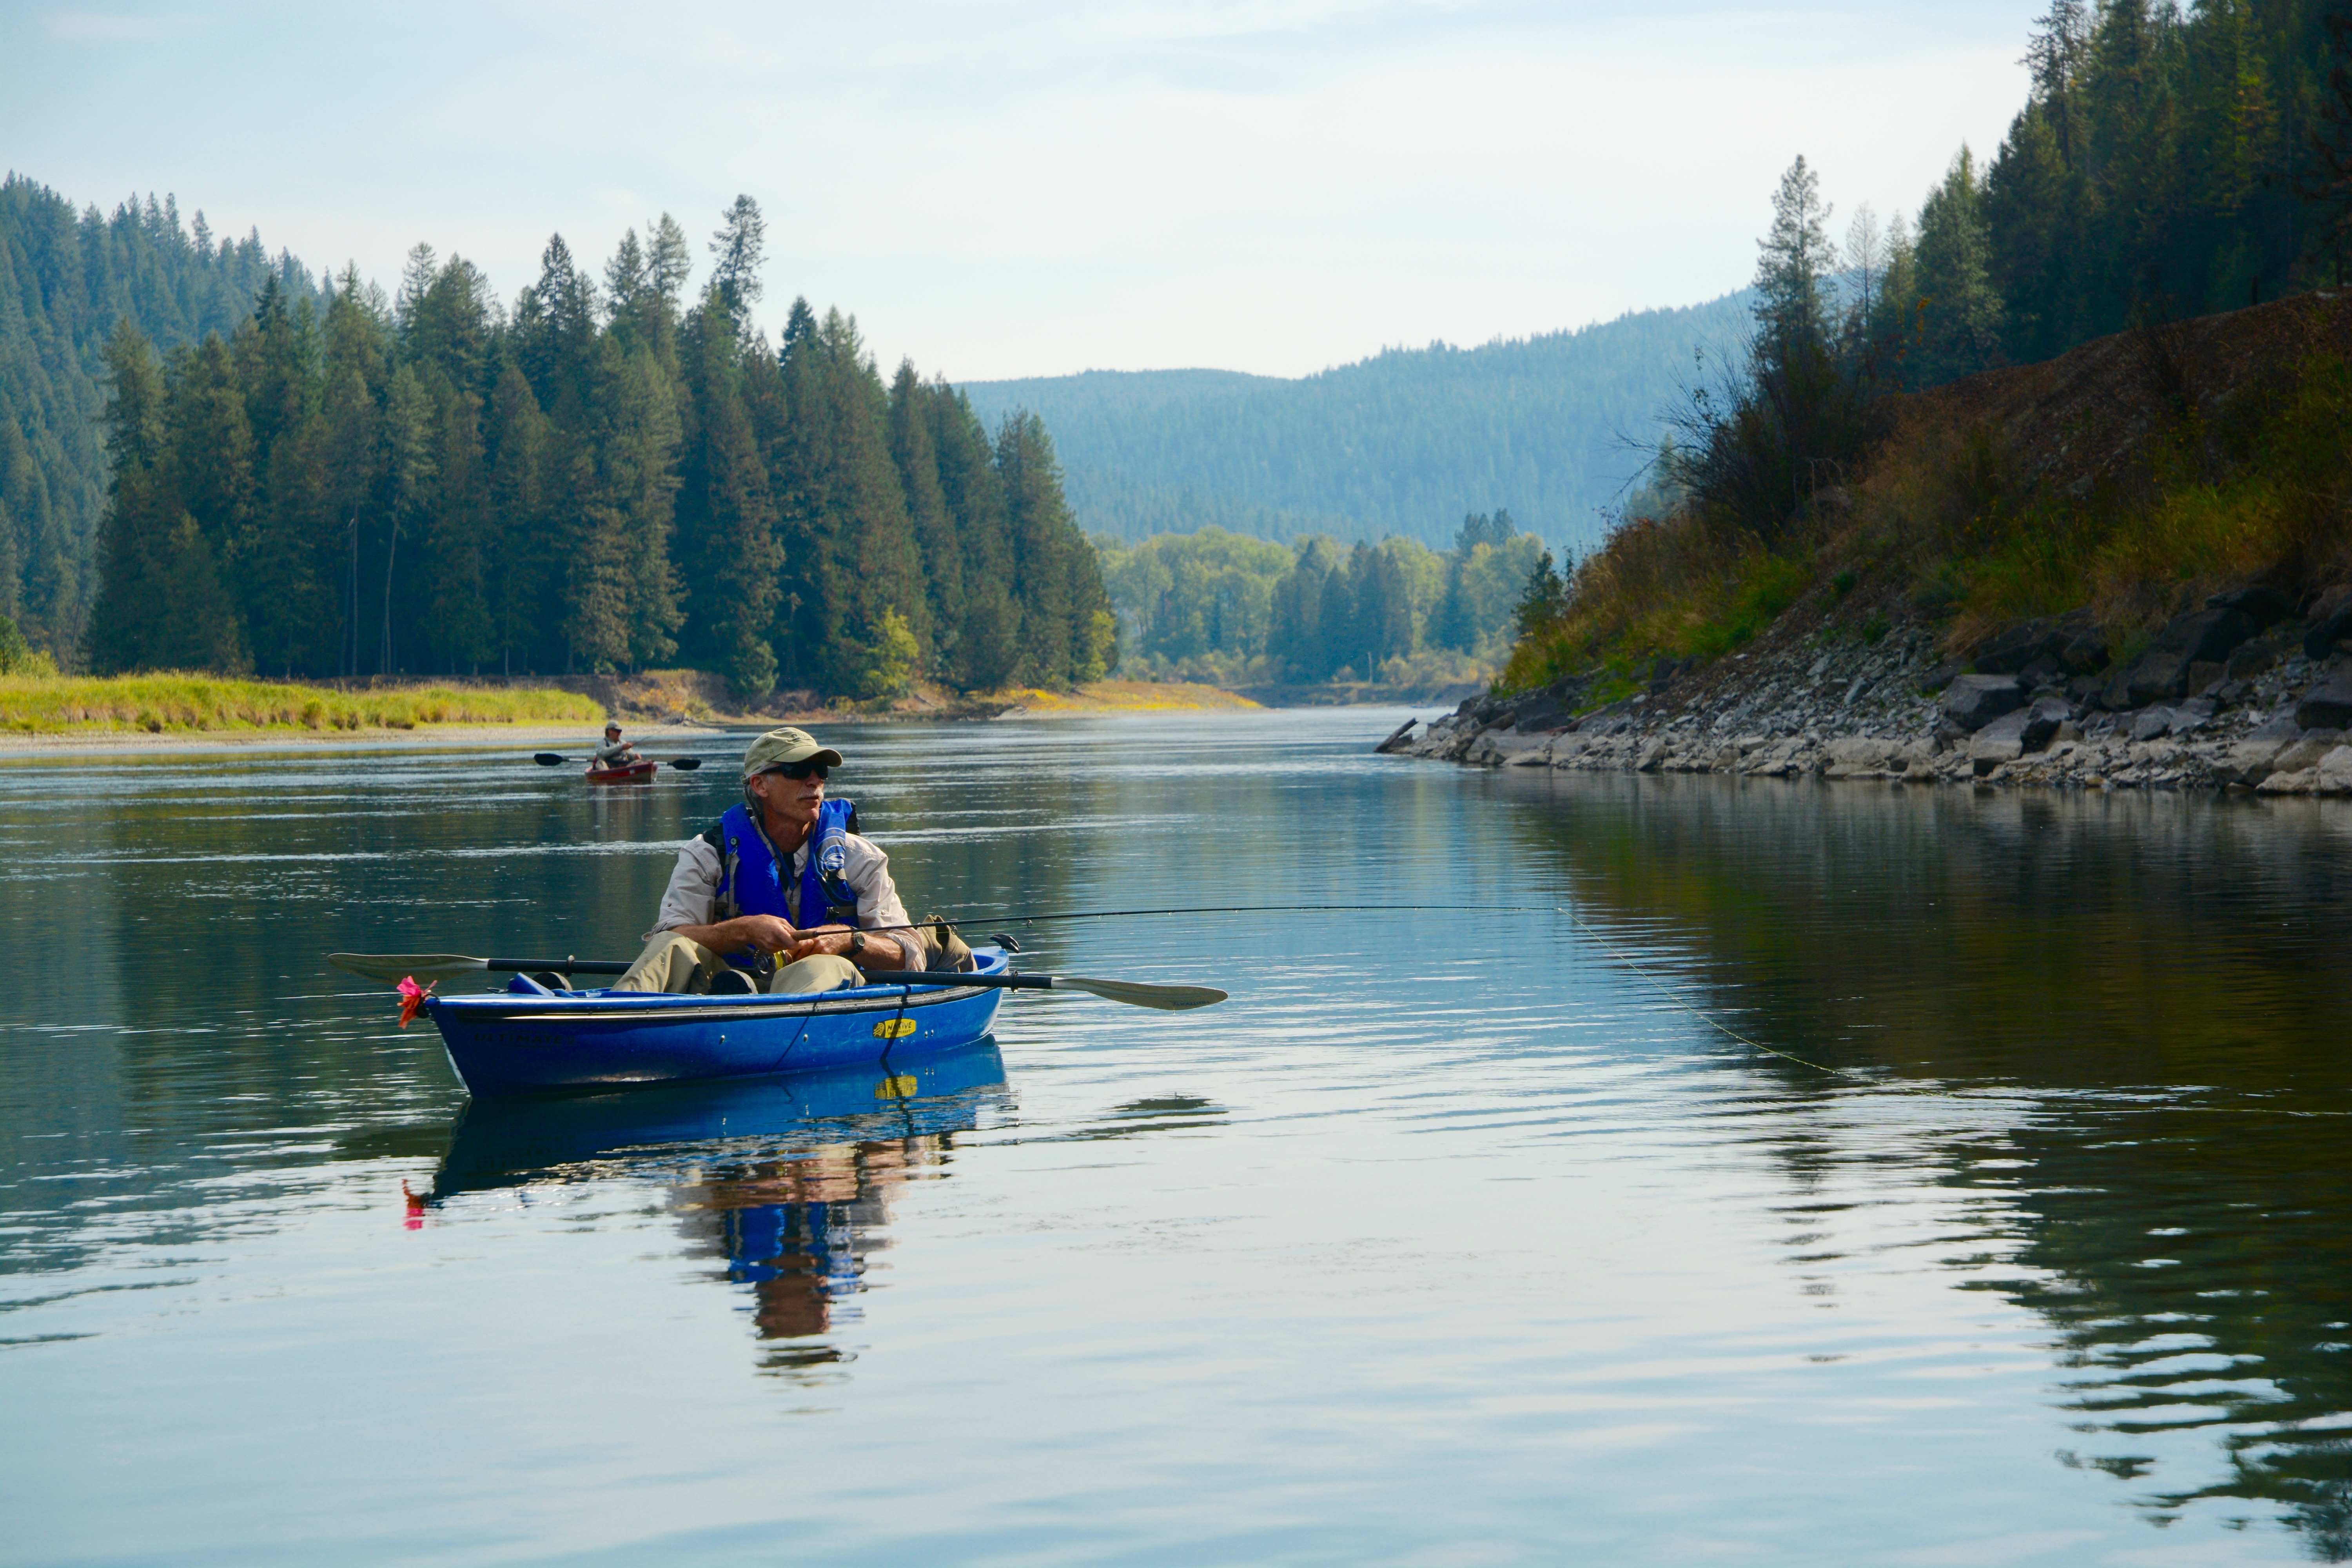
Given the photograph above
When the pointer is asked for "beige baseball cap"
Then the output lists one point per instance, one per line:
(779, 748)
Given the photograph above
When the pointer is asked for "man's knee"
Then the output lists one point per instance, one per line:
(818, 972)
(670, 962)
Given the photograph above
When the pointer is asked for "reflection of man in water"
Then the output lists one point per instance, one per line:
(798, 1231)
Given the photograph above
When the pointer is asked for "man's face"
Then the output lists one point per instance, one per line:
(794, 800)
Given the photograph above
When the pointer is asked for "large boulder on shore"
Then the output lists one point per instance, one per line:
(2331, 621)
(2263, 604)
(2328, 705)
(2202, 637)
(2017, 733)
(1973, 702)
(2026, 643)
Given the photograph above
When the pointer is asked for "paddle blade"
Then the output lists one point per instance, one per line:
(547, 759)
(391, 968)
(1136, 993)
(685, 764)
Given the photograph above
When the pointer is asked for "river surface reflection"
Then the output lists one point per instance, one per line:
(1720, 1168)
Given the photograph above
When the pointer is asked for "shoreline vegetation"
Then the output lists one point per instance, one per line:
(172, 709)
(173, 703)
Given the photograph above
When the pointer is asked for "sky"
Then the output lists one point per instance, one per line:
(1036, 187)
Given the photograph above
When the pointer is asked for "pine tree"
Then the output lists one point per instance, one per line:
(1795, 261)
(988, 643)
(132, 584)
(916, 457)
(1961, 314)
(521, 572)
(737, 250)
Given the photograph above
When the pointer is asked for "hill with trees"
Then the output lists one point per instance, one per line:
(1549, 428)
(2167, 166)
(65, 278)
(605, 476)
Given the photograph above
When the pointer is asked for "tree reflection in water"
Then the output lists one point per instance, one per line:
(2127, 1014)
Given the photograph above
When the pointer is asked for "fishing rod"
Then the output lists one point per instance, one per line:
(1240, 910)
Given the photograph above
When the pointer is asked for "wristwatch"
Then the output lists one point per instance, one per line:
(856, 942)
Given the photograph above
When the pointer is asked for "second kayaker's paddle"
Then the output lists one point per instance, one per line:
(551, 760)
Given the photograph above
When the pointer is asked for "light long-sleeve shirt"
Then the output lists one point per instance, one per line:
(691, 898)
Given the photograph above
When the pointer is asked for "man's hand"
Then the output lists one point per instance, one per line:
(765, 933)
(833, 939)
(881, 951)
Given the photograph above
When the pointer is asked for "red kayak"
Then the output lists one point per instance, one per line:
(643, 769)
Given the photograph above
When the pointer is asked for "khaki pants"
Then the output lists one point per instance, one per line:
(671, 963)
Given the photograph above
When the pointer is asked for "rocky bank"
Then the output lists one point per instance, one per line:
(2252, 691)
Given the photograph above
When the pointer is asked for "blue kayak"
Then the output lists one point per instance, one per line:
(521, 1040)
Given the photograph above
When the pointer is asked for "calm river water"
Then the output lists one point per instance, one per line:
(1467, 1235)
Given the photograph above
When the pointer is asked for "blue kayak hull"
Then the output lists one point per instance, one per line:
(510, 1140)
(510, 1042)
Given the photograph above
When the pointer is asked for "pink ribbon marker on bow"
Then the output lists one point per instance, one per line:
(412, 997)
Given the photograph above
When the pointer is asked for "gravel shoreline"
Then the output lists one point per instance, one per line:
(2268, 716)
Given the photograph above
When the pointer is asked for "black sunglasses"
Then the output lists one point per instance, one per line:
(798, 771)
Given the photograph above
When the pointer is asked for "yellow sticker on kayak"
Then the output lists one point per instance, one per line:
(895, 1089)
(894, 1028)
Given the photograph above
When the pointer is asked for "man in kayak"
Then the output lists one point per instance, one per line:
(779, 895)
(614, 753)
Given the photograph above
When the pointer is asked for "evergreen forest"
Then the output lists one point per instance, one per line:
(608, 476)
(1230, 609)
(65, 278)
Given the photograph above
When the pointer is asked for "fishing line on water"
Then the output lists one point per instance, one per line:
(1672, 995)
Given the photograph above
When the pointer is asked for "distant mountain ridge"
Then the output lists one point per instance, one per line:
(1406, 442)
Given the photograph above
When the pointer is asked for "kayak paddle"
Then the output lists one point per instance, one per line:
(393, 967)
(1134, 993)
(550, 760)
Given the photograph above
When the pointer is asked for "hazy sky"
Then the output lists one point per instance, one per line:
(1034, 187)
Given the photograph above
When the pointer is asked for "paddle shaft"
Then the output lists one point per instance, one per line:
(949, 977)
(551, 760)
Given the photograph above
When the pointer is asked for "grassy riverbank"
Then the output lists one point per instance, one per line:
(182, 704)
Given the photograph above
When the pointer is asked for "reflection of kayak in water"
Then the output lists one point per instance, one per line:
(502, 1143)
(513, 1042)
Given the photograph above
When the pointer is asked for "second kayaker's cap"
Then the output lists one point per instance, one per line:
(782, 748)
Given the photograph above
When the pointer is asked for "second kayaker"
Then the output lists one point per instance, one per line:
(779, 895)
(615, 752)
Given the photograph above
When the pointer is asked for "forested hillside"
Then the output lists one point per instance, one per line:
(1223, 608)
(606, 477)
(2169, 169)
(1405, 443)
(65, 279)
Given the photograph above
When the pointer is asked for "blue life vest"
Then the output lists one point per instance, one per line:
(752, 879)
